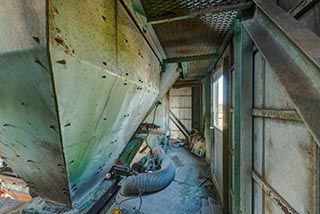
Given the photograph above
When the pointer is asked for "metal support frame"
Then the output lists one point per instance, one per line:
(243, 120)
(297, 62)
(179, 124)
(207, 113)
(275, 197)
(105, 201)
(302, 7)
(190, 58)
(226, 132)
(291, 115)
(193, 14)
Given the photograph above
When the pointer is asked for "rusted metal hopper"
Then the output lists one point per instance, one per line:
(76, 80)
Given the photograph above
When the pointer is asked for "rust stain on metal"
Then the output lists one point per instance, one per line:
(59, 40)
(277, 114)
(275, 199)
(274, 196)
(63, 62)
(282, 206)
(184, 51)
(55, 10)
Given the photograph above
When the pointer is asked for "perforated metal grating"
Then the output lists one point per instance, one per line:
(192, 27)
(171, 8)
(196, 36)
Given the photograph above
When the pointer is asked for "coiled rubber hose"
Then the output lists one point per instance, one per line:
(150, 182)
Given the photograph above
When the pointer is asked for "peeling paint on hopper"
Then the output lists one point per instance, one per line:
(93, 82)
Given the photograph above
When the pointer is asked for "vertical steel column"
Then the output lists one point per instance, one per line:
(225, 132)
(243, 120)
(207, 119)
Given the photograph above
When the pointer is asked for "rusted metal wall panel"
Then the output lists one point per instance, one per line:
(285, 154)
(258, 129)
(29, 135)
(290, 163)
(275, 96)
(106, 80)
(68, 111)
(311, 19)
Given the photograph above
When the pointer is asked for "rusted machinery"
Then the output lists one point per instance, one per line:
(76, 80)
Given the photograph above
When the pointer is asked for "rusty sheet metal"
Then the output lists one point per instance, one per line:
(277, 114)
(296, 45)
(29, 133)
(15, 187)
(290, 163)
(67, 115)
(106, 79)
(276, 198)
(285, 154)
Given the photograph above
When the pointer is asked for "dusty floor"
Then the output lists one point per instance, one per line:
(190, 192)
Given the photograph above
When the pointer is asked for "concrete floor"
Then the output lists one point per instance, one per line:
(190, 192)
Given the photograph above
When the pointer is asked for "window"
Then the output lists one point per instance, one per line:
(218, 102)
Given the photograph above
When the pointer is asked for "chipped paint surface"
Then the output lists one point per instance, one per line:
(29, 134)
(103, 90)
(67, 115)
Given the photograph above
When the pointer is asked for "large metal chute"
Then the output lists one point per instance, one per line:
(75, 85)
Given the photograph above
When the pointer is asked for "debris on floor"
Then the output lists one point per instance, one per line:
(7, 205)
(190, 192)
(197, 143)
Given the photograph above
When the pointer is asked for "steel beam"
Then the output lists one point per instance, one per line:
(293, 30)
(243, 120)
(275, 197)
(297, 62)
(302, 7)
(226, 132)
(291, 115)
(193, 14)
(207, 111)
(190, 58)
(179, 124)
